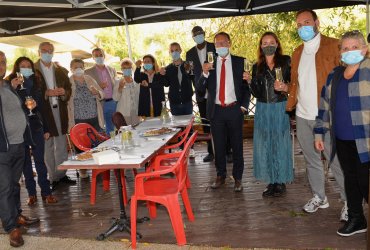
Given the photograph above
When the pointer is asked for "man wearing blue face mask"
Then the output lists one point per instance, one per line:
(228, 100)
(198, 55)
(105, 76)
(57, 91)
(311, 64)
(176, 77)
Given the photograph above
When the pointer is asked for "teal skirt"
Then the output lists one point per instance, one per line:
(272, 145)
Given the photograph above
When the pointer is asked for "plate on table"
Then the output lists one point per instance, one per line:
(157, 131)
(85, 156)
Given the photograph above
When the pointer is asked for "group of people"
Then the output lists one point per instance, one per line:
(330, 99)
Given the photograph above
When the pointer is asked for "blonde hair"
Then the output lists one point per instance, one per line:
(354, 34)
(127, 61)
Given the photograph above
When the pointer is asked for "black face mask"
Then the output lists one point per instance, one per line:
(269, 50)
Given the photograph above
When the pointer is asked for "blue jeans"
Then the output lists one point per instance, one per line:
(11, 164)
(42, 172)
(182, 108)
(108, 109)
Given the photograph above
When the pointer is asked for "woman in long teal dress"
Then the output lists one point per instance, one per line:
(272, 158)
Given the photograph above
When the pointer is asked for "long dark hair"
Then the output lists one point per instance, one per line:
(36, 77)
(261, 56)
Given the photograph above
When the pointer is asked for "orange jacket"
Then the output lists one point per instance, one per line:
(326, 58)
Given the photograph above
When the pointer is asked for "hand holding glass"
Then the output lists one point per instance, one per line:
(191, 64)
(210, 58)
(248, 65)
(21, 79)
(30, 104)
(278, 74)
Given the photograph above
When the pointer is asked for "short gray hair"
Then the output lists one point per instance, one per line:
(46, 43)
(353, 34)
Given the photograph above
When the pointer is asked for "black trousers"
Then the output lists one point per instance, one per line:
(228, 121)
(356, 176)
(202, 106)
(11, 166)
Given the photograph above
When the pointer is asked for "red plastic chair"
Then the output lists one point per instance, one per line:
(80, 139)
(154, 188)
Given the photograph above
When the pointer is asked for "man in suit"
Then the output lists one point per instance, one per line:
(228, 100)
(105, 76)
(57, 91)
(198, 55)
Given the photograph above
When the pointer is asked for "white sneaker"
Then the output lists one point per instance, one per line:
(192, 153)
(315, 203)
(344, 213)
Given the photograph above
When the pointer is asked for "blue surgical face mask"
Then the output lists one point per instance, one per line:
(222, 51)
(26, 72)
(148, 66)
(127, 72)
(46, 57)
(306, 33)
(175, 55)
(99, 60)
(352, 57)
(199, 39)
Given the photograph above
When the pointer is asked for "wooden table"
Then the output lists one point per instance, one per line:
(136, 157)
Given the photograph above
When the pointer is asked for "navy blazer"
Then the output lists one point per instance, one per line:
(242, 92)
(157, 89)
(192, 55)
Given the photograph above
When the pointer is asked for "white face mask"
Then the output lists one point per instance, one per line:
(78, 72)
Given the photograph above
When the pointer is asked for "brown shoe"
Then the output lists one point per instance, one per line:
(15, 237)
(220, 180)
(49, 199)
(238, 187)
(32, 199)
(26, 221)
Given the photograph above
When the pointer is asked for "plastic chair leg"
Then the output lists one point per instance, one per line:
(133, 221)
(124, 192)
(152, 207)
(176, 220)
(186, 201)
(106, 180)
(93, 188)
(187, 181)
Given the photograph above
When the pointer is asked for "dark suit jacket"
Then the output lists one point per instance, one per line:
(157, 89)
(62, 81)
(192, 55)
(178, 94)
(241, 87)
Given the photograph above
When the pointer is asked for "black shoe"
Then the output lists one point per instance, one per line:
(279, 189)
(220, 181)
(238, 187)
(54, 185)
(67, 180)
(269, 191)
(229, 158)
(353, 226)
(208, 158)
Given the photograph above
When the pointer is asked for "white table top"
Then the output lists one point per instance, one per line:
(141, 153)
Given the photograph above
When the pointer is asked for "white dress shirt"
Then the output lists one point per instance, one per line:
(230, 96)
(49, 76)
(202, 55)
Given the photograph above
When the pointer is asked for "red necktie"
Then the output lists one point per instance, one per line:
(221, 94)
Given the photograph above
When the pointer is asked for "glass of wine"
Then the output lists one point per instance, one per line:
(191, 64)
(29, 104)
(21, 78)
(248, 65)
(210, 58)
(278, 74)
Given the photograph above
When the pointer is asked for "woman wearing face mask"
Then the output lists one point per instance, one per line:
(344, 112)
(151, 88)
(126, 93)
(84, 106)
(32, 87)
(272, 160)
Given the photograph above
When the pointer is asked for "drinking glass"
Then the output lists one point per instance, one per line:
(21, 78)
(279, 74)
(248, 65)
(210, 58)
(191, 64)
(29, 104)
(113, 136)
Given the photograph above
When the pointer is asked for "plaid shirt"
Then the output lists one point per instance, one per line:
(359, 102)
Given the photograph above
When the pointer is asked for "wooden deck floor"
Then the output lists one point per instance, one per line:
(223, 218)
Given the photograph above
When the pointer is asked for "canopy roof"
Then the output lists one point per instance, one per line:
(19, 17)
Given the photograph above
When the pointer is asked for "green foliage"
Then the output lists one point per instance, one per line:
(18, 52)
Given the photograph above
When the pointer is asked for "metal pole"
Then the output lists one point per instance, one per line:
(127, 34)
(367, 17)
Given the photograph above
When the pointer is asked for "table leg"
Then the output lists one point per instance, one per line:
(123, 222)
